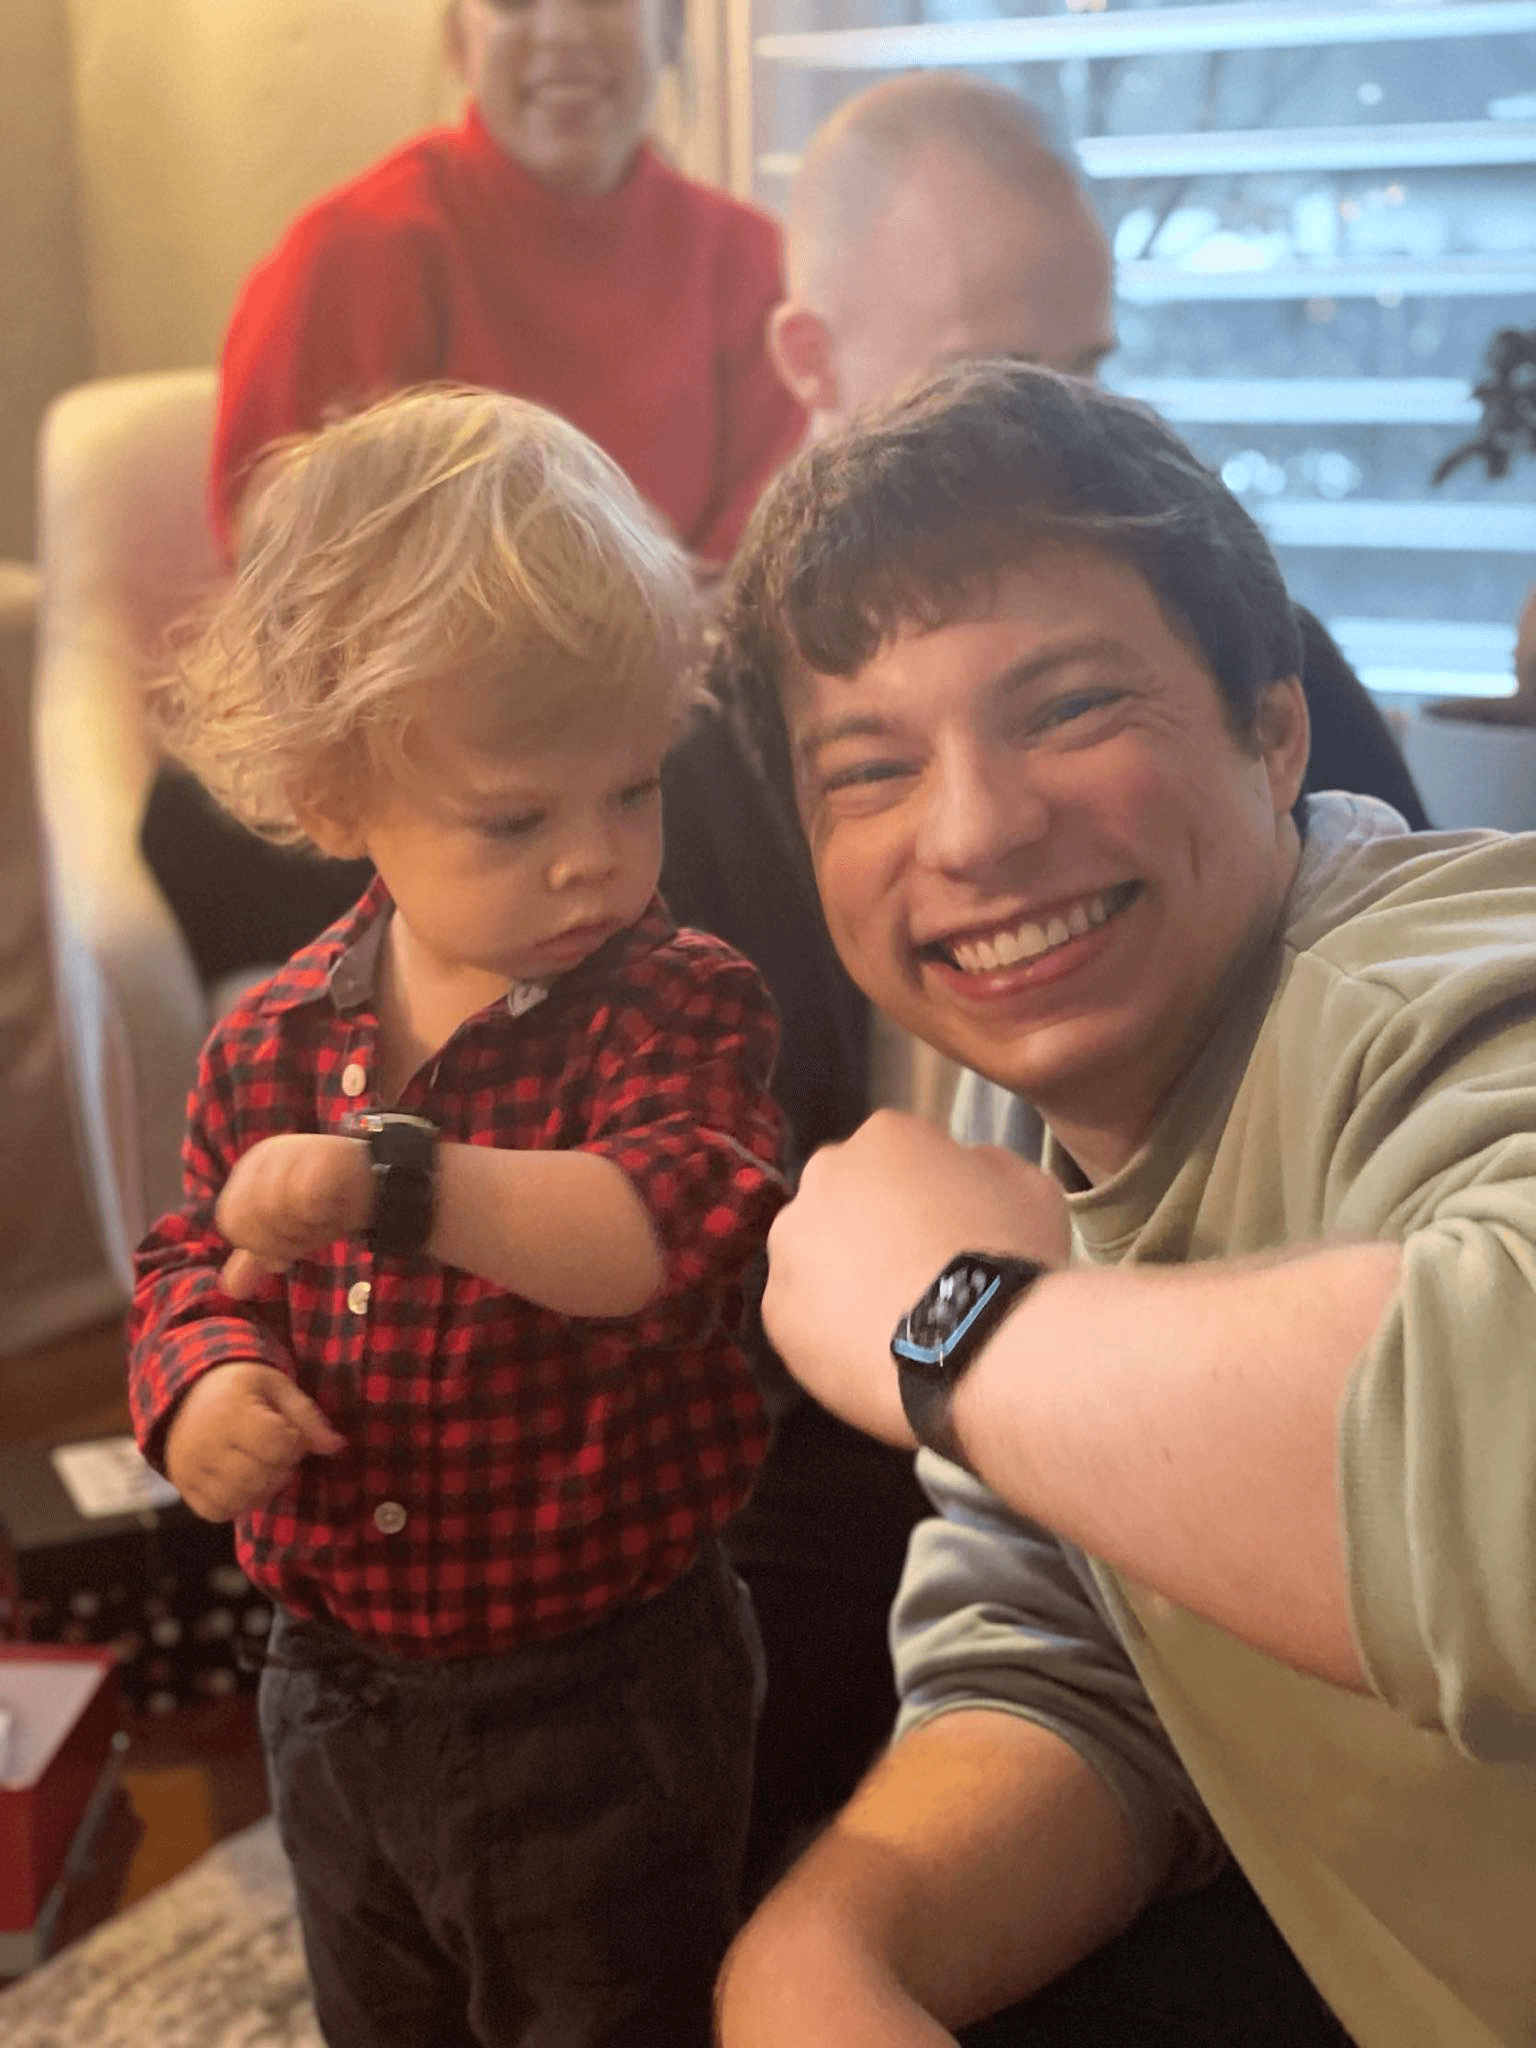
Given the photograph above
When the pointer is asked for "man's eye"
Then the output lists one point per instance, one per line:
(1065, 711)
(862, 775)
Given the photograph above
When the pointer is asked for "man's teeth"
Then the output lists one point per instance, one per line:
(1028, 941)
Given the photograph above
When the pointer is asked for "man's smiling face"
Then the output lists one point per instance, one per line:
(1040, 844)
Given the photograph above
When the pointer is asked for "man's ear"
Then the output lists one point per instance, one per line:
(455, 50)
(674, 30)
(800, 343)
(1283, 730)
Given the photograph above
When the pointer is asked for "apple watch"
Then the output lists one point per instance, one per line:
(402, 1156)
(941, 1336)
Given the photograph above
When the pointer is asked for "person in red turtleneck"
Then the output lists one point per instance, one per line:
(542, 247)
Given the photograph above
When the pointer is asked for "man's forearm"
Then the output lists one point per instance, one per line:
(1182, 1425)
(564, 1229)
(980, 1859)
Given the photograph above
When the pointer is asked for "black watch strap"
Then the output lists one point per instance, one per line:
(932, 1357)
(402, 1154)
(927, 1402)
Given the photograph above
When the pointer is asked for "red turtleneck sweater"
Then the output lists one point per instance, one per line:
(640, 315)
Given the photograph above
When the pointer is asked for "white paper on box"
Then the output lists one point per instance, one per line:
(44, 1697)
(108, 1477)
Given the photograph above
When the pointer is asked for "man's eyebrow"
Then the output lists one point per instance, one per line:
(853, 725)
(1031, 668)
(1018, 675)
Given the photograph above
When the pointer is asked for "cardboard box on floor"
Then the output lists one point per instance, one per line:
(58, 1711)
(96, 1549)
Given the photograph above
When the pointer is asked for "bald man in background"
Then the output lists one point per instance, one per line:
(929, 221)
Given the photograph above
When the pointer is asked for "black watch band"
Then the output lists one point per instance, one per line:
(402, 1155)
(941, 1337)
(926, 1402)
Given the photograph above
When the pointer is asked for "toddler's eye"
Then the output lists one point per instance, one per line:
(640, 793)
(517, 825)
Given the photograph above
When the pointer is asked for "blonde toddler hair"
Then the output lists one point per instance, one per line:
(442, 537)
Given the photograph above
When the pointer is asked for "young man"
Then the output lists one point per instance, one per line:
(928, 222)
(1239, 1444)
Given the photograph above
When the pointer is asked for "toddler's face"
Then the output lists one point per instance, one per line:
(519, 866)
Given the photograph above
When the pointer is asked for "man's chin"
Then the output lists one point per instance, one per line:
(1037, 1072)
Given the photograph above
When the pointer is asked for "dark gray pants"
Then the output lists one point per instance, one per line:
(542, 1848)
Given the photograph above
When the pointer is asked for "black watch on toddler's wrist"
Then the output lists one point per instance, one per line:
(942, 1335)
(402, 1157)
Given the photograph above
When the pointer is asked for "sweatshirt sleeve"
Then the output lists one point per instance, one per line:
(994, 1612)
(341, 313)
(1437, 1443)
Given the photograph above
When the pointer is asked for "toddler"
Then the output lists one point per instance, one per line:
(447, 1319)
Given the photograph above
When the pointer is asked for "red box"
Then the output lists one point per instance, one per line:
(65, 1702)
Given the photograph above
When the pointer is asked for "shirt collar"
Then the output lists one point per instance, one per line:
(342, 964)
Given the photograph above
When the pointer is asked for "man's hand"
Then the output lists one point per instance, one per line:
(288, 1198)
(238, 1434)
(874, 1221)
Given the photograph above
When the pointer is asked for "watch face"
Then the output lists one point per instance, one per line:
(965, 1285)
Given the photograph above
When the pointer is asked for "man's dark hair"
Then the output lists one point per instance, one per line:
(911, 515)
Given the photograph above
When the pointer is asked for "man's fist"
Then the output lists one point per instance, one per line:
(874, 1220)
(237, 1435)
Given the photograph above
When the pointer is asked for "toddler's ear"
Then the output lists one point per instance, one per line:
(333, 827)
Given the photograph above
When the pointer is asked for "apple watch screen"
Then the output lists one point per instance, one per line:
(949, 1308)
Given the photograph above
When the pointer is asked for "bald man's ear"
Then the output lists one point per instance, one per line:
(454, 53)
(800, 343)
(674, 30)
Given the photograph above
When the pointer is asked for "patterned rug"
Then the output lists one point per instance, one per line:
(211, 1960)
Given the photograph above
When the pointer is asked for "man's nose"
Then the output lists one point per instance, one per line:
(979, 807)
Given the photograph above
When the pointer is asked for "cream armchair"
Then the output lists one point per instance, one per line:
(124, 548)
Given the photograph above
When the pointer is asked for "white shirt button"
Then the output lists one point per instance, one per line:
(354, 1078)
(389, 1518)
(359, 1294)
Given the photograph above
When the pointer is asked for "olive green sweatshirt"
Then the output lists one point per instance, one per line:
(1376, 1080)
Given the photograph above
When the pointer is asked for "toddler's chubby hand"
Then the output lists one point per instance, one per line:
(288, 1198)
(237, 1435)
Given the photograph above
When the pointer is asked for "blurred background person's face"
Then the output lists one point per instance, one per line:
(958, 264)
(565, 87)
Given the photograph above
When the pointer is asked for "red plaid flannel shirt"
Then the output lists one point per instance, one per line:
(510, 1474)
